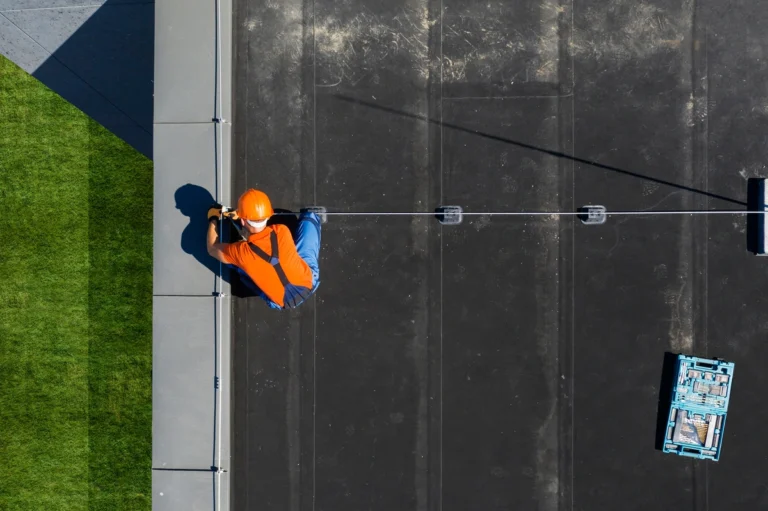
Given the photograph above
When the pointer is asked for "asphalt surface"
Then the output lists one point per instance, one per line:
(508, 362)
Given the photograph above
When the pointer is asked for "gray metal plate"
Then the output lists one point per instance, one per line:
(226, 59)
(226, 165)
(224, 372)
(184, 61)
(185, 185)
(188, 491)
(183, 397)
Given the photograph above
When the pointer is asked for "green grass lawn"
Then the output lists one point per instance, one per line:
(75, 307)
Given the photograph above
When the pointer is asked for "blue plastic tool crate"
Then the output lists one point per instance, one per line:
(699, 407)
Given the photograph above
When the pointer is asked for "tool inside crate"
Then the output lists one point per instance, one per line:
(702, 387)
(695, 429)
(699, 407)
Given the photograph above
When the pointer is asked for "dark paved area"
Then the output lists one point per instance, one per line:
(507, 363)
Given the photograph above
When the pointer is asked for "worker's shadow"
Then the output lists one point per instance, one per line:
(668, 375)
(193, 202)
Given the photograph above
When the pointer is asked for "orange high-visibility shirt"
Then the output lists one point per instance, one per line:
(261, 272)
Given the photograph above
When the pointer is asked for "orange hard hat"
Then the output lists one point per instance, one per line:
(254, 205)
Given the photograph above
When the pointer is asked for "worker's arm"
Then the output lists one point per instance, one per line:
(216, 250)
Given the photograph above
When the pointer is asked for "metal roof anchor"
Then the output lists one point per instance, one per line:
(449, 215)
(592, 215)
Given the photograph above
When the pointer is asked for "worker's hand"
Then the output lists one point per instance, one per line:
(214, 213)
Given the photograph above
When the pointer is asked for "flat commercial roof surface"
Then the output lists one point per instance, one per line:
(507, 362)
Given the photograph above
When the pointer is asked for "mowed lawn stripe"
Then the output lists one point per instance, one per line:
(120, 312)
(44, 297)
(75, 307)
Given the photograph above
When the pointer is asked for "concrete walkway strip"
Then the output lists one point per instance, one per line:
(192, 308)
(19, 47)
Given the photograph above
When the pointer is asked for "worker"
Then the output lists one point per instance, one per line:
(282, 273)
